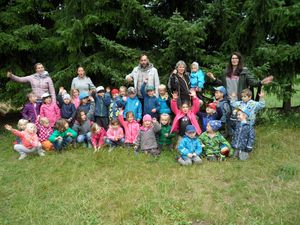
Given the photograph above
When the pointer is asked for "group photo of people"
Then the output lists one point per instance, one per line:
(143, 116)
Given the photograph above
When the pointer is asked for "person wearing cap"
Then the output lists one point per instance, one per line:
(115, 105)
(223, 110)
(85, 104)
(82, 82)
(40, 82)
(49, 109)
(190, 147)
(145, 70)
(67, 108)
(146, 139)
(151, 104)
(132, 104)
(102, 102)
(215, 146)
(207, 116)
(243, 136)
(237, 77)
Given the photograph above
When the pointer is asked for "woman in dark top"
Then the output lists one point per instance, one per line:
(180, 82)
(237, 77)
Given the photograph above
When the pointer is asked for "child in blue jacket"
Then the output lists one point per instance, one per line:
(190, 147)
(197, 79)
(151, 104)
(132, 104)
(102, 102)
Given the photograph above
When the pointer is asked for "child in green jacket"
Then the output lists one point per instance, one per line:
(165, 137)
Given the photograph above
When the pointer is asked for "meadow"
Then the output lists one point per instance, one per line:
(80, 187)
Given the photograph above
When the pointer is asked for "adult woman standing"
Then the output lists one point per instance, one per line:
(237, 77)
(40, 82)
(179, 82)
(82, 83)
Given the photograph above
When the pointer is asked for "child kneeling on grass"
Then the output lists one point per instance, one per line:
(97, 137)
(115, 135)
(190, 147)
(146, 139)
(29, 139)
(62, 135)
(44, 131)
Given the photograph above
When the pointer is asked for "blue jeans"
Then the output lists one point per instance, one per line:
(59, 144)
(114, 143)
(85, 138)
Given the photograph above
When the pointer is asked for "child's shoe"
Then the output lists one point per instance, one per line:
(41, 154)
(22, 156)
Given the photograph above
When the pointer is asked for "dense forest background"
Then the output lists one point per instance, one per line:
(107, 37)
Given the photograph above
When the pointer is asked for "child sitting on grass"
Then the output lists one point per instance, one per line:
(97, 137)
(165, 135)
(214, 145)
(62, 136)
(49, 109)
(44, 131)
(146, 139)
(244, 135)
(190, 147)
(29, 139)
(115, 135)
(31, 109)
(21, 127)
(131, 128)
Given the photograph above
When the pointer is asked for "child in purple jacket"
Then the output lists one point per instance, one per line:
(31, 109)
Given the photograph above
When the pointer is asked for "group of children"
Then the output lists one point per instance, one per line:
(118, 118)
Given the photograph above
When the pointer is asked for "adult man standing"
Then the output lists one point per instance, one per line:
(144, 71)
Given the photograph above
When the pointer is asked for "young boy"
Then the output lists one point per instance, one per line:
(132, 104)
(190, 147)
(102, 101)
(197, 77)
(210, 114)
(31, 109)
(223, 110)
(67, 109)
(244, 135)
(151, 104)
(165, 135)
(248, 103)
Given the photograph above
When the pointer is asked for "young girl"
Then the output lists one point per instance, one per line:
(131, 128)
(49, 109)
(185, 116)
(146, 139)
(31, 109)
(165, 137)
(44, 131)
(29, 139)
(62, 135)
(83, 127)
(164, 100)
(97, 137)
(123, 91)
(75, 97)
(115, 134)
(215, 146)
(21, 127)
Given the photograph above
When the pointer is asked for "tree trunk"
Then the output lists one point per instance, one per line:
(287, 101)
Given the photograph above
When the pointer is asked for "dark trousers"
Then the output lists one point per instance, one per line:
(102, 121)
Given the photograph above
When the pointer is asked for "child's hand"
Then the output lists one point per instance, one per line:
(261, 94)
(58, 138)
(69, 134)
(108, 89)
(190, 155)
(211, 75)
(62, 90)
(203, 146)
(135, 148)
(175, 71)
(166, 135)
(91, 98)
(193, 93)
(153, 110)
(194, 154)
(116, 138)
(175, 95)
(8, 127)
(124, 98)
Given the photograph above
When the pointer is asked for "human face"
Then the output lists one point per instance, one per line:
(210, 111)
(31, 128)
(194, 68)
(131, 95)
(32, 99)
(39, 68)
(162, 91)
(75, 93)
(241, 116)
(115, 126)
(180, 69)
(83, 116)
(234, 60)
(209, 129)
(45, 123)
(150, 93)
(164, 120)
(66, 101)
(80, 72)
(144, 61)
(219, 95)
(130, 118)
(48, 100)
(100, 93)
(190, 134)
(85, 100)
(245, 98)
(147, 123)
(66, 125)
(115, 95)
(185, 108)
(22, 126)
(122, 92)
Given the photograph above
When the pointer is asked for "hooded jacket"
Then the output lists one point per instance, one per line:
(51, 111)
(134, 105)
(189, 145)
(131, 129)
(30, 112)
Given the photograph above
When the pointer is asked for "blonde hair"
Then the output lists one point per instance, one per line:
(123, 87)
(162, 86)
(72, 92)
(167, 116)
(94, 128)
(30, 95)
(247, 92)
(22, 122)
(43, 120)
(31, 125)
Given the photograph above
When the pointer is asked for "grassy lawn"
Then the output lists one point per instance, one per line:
(79, 187)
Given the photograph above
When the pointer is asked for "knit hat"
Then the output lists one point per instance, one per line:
(100, 88)
(131, 90)
(212, 105)
(114, 91)
(221, 89)
(46, 95)
(66, 96)
(83, 95)
(150, 88)
(215, 124)
(147, 117)
(190, 129)
(244, 110)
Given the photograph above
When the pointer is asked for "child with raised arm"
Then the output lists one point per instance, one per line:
(131, 128)
(67, 108)
(190, 147)
(102, 102)
(214, 145)
(29, 140)
(49, 109)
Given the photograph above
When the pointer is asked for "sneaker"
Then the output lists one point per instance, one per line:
(22, 156)
(41, 154)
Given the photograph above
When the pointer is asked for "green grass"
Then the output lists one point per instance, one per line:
(79, 187)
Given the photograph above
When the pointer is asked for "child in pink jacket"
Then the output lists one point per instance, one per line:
(186, 115)
(98, 135)
(115, 134)
(49, 109)
(131, 128)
